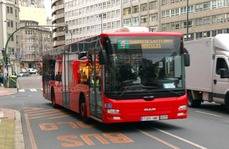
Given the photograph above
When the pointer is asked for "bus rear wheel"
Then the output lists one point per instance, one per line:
(83, 111)
(53, 100)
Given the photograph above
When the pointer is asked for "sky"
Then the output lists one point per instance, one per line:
(47, 4)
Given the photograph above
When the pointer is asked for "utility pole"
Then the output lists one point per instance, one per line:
(187, 20)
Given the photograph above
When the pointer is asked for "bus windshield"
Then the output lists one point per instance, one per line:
(144, 66)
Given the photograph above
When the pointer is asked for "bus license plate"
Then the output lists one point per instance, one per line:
(149, 118)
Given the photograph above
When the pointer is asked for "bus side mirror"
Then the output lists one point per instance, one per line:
(101, 58)
(186, 58)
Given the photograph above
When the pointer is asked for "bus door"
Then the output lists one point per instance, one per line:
(65, 80)
(95, 87)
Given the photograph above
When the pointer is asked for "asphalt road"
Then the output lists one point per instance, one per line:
(48, 128)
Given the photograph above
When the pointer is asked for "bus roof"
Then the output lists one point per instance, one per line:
(142, 34)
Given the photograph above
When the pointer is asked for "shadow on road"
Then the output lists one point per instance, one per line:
(120, 127)
(211, 107)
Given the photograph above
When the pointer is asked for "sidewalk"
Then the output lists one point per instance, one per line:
(11, 136)
(7, 91)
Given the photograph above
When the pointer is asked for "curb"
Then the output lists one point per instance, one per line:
(19, 139)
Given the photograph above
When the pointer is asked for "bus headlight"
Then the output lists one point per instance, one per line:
(113, 111)
(182, 108)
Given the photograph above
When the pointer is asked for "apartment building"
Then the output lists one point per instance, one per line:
(9, 20)
(205, 17)
(86, 18)
(141, 13)
(58, 20)
(33, 43)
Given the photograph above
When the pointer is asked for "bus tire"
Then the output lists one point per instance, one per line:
(53, 100)
(83, 109)
(195, 103)
(227, 101)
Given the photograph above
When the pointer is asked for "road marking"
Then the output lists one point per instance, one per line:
(159, 140)
(46, 115)
(56, 117)
(21, 90)
(206, 113)
(30, 132)
(38, 111)
(182, 139)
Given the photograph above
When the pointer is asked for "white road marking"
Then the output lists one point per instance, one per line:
(159, 140)
(33, 90)
(182, 139)
(21, 90)
(206, 113)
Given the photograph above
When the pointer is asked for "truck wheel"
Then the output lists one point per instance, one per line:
(227, 102)
(191, 102)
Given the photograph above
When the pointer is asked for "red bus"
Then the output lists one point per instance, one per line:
(119, 77)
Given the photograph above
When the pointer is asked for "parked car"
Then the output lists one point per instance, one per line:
(23, 74)
(32, 71)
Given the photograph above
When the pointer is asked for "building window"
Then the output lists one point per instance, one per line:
(144, 19)
(11, 10)
(153, 5)
(143, 7)
(135, 21)
(135, 9)
(154, 17)
(8, 9)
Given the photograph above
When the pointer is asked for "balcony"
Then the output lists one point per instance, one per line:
(58, 34)
(55, 8)
(58, 16)
(58, 43)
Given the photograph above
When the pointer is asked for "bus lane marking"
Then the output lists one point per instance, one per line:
(181, 139)
(209, 114)
(53, 126)
(46, 115)
(158, 139)
(30, 133)
(70, 140)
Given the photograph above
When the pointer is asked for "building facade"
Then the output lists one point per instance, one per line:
(141, 13)
(58, 20)
(33, 43)
(9, 21)
(86, 18)
(205, 17)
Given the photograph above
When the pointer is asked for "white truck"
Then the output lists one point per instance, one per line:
(207, 77)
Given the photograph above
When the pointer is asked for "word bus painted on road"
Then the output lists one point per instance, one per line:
(119, 77)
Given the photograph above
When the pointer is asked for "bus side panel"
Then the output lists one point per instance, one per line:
(74, 95)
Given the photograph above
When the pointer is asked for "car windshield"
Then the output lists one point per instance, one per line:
(143, 66)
